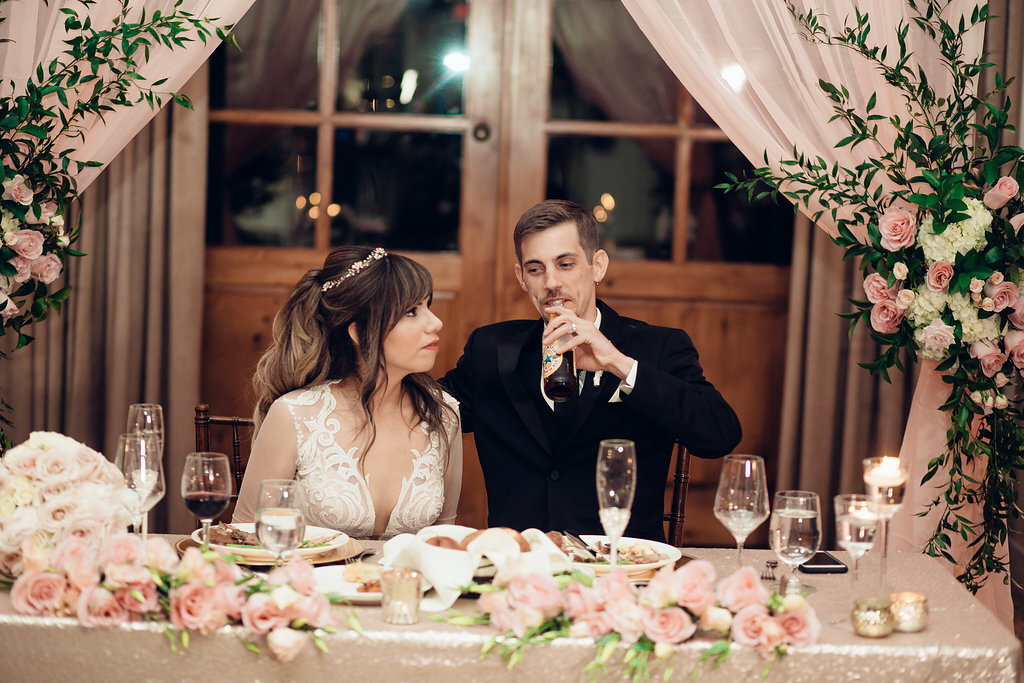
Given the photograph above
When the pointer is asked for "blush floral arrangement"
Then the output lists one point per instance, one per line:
(53, 488)
(527, 608)
(201, 592)
(933, 211)
(97, 73)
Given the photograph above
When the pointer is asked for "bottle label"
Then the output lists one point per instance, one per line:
(552, 359)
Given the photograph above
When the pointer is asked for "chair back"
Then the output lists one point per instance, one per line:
(676, 513)
(203, 423)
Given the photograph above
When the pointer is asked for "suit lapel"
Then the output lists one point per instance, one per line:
(509, 351)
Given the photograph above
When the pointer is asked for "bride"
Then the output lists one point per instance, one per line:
(345, 404)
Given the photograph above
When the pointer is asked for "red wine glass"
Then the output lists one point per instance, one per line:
(206, 487)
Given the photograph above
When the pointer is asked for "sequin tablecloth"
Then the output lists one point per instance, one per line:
(963, 642)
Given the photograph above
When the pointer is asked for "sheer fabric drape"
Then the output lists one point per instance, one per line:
(749, 68)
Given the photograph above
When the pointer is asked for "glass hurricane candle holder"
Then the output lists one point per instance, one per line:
(909, 611)
(885, 482)
(872, 617)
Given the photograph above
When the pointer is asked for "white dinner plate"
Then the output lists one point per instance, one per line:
(257, 553)
(331, 579)
(637, 572)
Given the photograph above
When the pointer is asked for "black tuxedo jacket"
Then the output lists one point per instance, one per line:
(541, 474)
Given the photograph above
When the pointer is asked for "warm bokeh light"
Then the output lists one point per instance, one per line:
(608, 201)
(333, 210)
(408, 87)
(600, 214)
(456, 61)
(314, 212)
(389, 103)
(315, 198)
(300, 203)
(387, 81)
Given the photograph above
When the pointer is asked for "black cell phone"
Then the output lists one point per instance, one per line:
(823, 563)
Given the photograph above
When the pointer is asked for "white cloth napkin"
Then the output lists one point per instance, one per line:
(449, 570)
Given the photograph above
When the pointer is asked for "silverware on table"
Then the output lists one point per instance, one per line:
(577, 543)
(768, 573)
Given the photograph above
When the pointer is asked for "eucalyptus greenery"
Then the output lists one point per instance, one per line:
(96, 73)
(934, 162)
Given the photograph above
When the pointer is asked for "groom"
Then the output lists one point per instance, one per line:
(639, 382)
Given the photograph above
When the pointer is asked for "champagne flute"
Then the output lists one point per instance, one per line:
(206, 487)
(885, 482)
(741, 502)
(856, 523)
(139, 457)
(147, 418)
(616, 482)
(279, 522)
(795, 532)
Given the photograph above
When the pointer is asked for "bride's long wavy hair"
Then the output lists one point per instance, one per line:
(312, 343)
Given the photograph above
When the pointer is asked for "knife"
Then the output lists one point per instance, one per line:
(578, 543)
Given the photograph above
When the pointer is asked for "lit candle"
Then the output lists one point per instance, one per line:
(887, 472)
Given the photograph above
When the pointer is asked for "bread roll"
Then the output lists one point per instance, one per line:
(444, 542)
(524, 546)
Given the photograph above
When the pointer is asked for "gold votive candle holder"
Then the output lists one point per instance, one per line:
(910, 611)
(872, 617)
(400, 595)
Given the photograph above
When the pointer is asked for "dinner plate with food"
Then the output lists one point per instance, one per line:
(240, 539)
(638, 556)
(357, 582)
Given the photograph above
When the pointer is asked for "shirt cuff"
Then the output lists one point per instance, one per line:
(626, 385)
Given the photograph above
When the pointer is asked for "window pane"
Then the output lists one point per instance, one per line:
(402, 57)
(627, 182)
(604, 68)
(396, 189)
(261, 185)
(726, 227)
(277, 65)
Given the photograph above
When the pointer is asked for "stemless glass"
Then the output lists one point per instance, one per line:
(856, 522)
(795, 532)
(279, 522)
(741, 502)
(139, 457)
(206, 487)
(616, 483)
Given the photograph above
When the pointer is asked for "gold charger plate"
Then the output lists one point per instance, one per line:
(342, 552)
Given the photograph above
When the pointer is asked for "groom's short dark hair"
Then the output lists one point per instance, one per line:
(552, 212)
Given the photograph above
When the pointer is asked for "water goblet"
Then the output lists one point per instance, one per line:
(206, 487)
(616, 483)
(146, 418)
(795, 532)
(885, 482)
(741, 501)
(139, 457)
(856, 524)
(280, 525)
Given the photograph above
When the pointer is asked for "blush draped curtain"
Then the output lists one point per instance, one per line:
(130, 332)
(747, 64)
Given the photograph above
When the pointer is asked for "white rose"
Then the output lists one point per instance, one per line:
(20, 525)
(286, 643)
(904, 299)
(899, 270)
(63, 241)
(794, 602)
(1000, 402)
(663, 650)
(987, 304)
(976, 397)
(285, 596)
(1001, 379)
(57, 222)
(716, 619)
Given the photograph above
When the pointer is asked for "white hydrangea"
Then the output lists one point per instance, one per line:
(958, 238)
(974, 328)
(8, 222)
(927, 306)
(923, 351)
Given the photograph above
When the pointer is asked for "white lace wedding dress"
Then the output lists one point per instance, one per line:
(337, 494)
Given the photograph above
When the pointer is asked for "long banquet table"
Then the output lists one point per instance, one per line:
(963, 642)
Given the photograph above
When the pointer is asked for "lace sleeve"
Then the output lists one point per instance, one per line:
(453, 473)
(272, 457)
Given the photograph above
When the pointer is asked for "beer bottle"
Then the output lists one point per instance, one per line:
(559, 371)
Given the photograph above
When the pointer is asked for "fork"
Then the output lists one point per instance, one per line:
(768, 573)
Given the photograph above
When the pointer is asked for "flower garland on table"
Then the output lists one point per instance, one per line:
(201, 592)
(51, 488)
(530, 608)
(935, 218)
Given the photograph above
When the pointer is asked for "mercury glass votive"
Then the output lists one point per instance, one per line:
(910, 611)
(872, 617)
(400, 595)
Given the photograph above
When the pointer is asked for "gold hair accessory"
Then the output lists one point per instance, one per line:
(375, 255)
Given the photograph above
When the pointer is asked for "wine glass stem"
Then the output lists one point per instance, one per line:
(853, 573)
(206, 532)
(615, 551)
(145, 530)
(739, 553)
(883, 532)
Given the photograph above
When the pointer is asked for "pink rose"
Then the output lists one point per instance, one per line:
(75, 557)
(125, 575)
(594, 626)
(286, 643)
(24, 268)
(47, 210)
(139, 598)
(34, 556)
(742, 589)
(16, 190)
(580, 600)
(298, 573)
(512, 568)
(615, 585)
(772, 636)
(1014, 342)
(693, 586)
(536, 591)
(193, 608)
(38, 592)
(98, 607)
(161, 556)
(897, 229)
(314, 610)
(939, 275)
(878, 289)
(10, 310)
(885, 317)
(229, 598)
(194, 568)
(1017, 317)
(937, 336)
(503, 619)
(225, 572)
(1003, 295)
(122, 548)
(1003, 191)
(748, 625)
(261, 615)
(669, 625)
(47, 268)
(660, 591)
(989, 355)
(1016, 222)
(57, 464)
(493, 601)
(627, 619)
(29, 244)
(801, 626)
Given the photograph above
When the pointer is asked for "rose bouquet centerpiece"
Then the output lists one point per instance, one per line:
(933, 212)
(201, 592)
(51, 488)
(676, 605)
